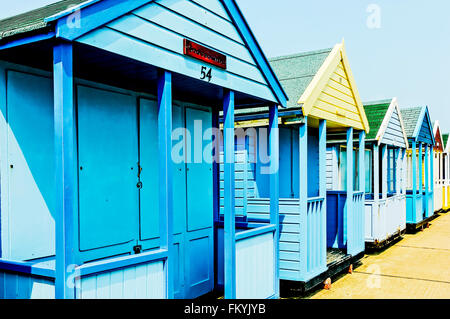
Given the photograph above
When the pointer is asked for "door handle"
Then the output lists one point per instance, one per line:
(139, 185)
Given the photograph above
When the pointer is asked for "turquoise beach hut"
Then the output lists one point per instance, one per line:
(94, 203)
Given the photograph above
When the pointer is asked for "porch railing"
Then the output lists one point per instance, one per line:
(300, 260)
(255, 263)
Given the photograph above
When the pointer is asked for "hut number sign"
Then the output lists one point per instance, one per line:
(204, 54)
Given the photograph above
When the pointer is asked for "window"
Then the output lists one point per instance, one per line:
(391, 170)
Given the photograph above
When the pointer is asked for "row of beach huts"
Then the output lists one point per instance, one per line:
(95, 205)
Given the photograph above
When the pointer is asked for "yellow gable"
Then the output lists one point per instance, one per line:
(332, 94)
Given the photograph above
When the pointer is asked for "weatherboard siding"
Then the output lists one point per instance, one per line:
(154, 34)
(336, 102)
(425, 133)
(394, 133)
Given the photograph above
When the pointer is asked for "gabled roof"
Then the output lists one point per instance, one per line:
(438, 136)
(413, 119)
(297, 71)
(52, 20)
(320, 85)
(445, 141)
(379, 114)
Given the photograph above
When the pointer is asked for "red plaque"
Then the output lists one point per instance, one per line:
(204, 54)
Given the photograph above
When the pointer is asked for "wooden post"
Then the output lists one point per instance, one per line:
(348, 214)
(165, 173)
(303, 193)
(376, 173)
(274, 189)
(398, 170)
(414, 178)
(420, 168)
(431, 193)
(427, 180)
(66, 209)
(229, 196)
(384, 171)
(323, 190)
(404, 171)
(216, 185)
(362, 166)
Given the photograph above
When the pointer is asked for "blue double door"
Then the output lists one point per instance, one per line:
(119, 184)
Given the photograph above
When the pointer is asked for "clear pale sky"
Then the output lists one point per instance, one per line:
(396, 48)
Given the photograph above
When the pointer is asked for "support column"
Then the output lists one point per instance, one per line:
(376, 173)
(428, 159)
(165, 173)
(274, 189)
(398, 170)
(384, 171)
(66, 208)
(404, 171)
(431, 183)
(216, 185)
(420, 156)
(303, 192)
(323, 190)
(414, 180)
(362, 166)
(229, 196)
(348, 217)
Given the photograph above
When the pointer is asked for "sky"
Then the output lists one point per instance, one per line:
(396, 48)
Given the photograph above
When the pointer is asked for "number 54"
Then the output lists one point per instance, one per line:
(206, 73)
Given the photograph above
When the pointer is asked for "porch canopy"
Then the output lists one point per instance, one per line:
(163, 64)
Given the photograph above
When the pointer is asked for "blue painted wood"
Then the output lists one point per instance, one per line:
(27, 40)
(165, 173)
(313, 161)
(29, 167)
(322, 243)
(66, 208)
(393, 134)
(255, 267)
(199, 263)
(94, 16)
(28, 268)
(303, 196)
(255, 232)
(24, 286)
(119, 43)
(427, 180)
(108, 175)
(148, 170)
(384, 172)
(274, 188)
(349, 173)
(431, 183)
(413, 209)
(139, 281)
(229, 208)
(336, 203)
(421, 164)
(106, 265)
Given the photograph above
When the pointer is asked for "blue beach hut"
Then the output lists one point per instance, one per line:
(419, 194)
(386, 145)
(323, 104)
(95, 201)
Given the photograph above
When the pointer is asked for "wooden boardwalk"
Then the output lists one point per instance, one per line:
(416, 267)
